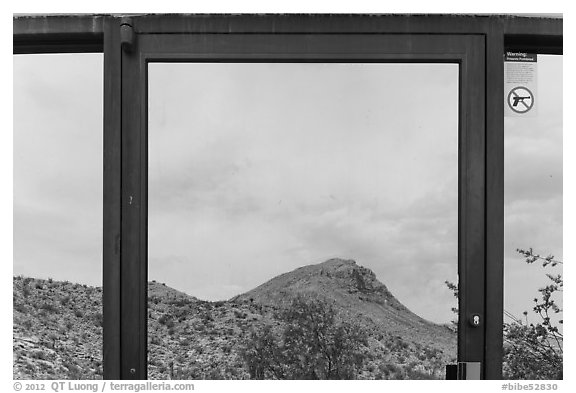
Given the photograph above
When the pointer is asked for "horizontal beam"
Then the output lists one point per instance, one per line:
(531, 43)
(341, 23)
(311, 24)
(58, 34)
(513, 25)
(84, 32)
(536, 35)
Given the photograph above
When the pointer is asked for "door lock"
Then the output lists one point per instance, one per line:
(475, 320)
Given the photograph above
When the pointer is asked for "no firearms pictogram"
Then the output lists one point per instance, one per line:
(520, 99)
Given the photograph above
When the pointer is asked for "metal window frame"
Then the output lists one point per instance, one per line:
(104, 33)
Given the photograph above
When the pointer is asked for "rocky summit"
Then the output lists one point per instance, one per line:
(57, 330)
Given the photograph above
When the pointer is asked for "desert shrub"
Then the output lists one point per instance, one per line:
(167, 321)
(227, 348)
(98, 319)
(180, 313)
(413, 373)
(38, 354)
(20, 307)
(390, 370)
(206, 316)
(535, 350)
(313, 345)
(48, 307)
(27, 324)
(74, 372)
(163, 319)
(30, 368)
(65, 300)
(528, 353)
(198, 349)
(26, 291)
(180, 302)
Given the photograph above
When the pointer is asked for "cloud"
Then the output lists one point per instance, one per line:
(58, 167)
(300, 163)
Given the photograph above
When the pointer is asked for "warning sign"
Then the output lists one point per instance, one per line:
(520, 73)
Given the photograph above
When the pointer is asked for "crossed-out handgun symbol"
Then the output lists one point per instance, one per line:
(518, 99)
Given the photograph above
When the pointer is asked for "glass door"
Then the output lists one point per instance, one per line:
(323, 188)
(293, 206)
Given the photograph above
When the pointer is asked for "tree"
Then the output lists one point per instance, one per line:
(313, 344)
(262, 355)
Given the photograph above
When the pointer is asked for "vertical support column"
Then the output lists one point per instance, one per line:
(133, 292)
(112, 189)
(494, 200)
(471, 237)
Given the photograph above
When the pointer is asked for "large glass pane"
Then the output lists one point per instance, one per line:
(533, 232)
(57, 216)
(302, 220)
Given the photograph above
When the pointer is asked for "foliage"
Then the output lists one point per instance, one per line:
(533, 351)
(454, 288)
(313, 344)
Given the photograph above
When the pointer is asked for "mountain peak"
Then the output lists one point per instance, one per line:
(352, 275)
(352, 288)
(336, 277)
(338, 262)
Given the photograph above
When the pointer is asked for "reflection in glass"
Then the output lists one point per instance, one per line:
(57, 216)
(302, 220)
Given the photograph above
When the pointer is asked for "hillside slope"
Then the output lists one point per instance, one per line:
(58, 327)
(57, 330)
(358, 294)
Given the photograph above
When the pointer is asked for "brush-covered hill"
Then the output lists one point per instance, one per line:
(58, 327)
(57, 330)
(356, 293)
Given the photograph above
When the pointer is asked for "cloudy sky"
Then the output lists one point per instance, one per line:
(533, 189)
(257, 169)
